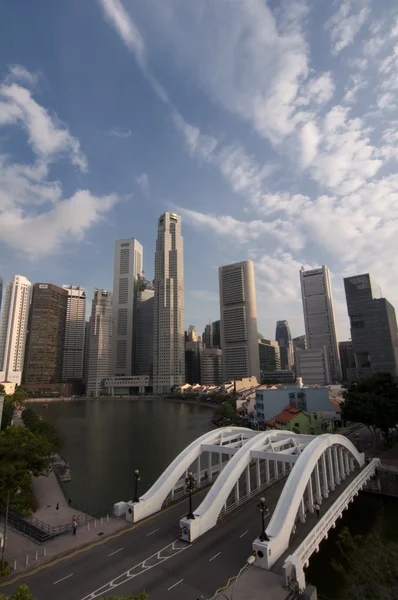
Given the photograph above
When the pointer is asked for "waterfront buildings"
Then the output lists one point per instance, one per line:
(211, 366)
(373, 326)
(269, 354)
(272, 377)
(86, 350)
(320, 328)
(72, 367)
(168, 336)
(46, 335)
(127, 269)
(284, 339)
(143, 363)
(13, 329)
(313, 366)
(347, 359)
(239, 342)
(207, 337)
(192, 362)
(216, 331)
(100, 345)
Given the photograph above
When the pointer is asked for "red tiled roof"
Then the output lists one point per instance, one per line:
(286, 415)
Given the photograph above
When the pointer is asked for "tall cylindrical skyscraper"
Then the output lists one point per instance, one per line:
(284, 339)
(168, 327)
(99, 365)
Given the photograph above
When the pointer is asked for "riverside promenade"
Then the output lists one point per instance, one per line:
(25, 554)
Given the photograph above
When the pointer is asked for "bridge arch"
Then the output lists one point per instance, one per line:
(283, 518)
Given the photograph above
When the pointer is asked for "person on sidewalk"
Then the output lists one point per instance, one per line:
(74, 524)
(70, 501)
(317, 509)
(57, 507)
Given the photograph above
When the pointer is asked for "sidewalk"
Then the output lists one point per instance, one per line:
(255, 584)
(48, 492)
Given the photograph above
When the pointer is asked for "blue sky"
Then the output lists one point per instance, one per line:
(271, 127)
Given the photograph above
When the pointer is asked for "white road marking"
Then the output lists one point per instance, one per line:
(116, 551)
(215, 556)
(171, 587)
(63, 579)
(247, 531)
(152, 532)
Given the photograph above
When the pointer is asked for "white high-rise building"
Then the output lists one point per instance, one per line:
(99, 364)
(127, 269)
(239, 341)
(72, 367)
(143, 360)
(168, 330)
(14, 327)
(320, 327)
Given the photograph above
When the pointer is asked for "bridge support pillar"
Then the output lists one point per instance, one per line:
(346, 462)
(267, 475)
(210, 465)
(330, 465)
(336, 465)
(310, 495)
(275, 468)
(248, 485)
(302, 511)
(341, 461)
(325, 477)
(220, 463)
(258, 472)
(198, 470)
(283, 468)
(318, 484)
(237, 491)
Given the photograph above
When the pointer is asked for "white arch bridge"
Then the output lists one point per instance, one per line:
(240, 464)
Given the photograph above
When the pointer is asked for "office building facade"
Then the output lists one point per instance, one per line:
(320, 328)
(313, 366)
(126, 274)
(207, 337)
(46, 335)
(99, 365)
(269, 354)
(72, 366)
(239, 341)
(373, 327)
(168, 336)
(216, 330)
(211, 366)
(192, 362)
(14, 328)
(143, 364)
(347, 359)
(284, 339)
(1, 291)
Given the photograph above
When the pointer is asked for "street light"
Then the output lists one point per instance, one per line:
(16, 492)
(190, 485)
(137, 478)
(263, 509)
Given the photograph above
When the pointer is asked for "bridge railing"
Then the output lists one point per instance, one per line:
(299, 559)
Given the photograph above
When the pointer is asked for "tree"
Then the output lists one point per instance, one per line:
(21, 593)
(8, 412)
(2, 390)
(373, 402)
(369, 566)
(40, 428)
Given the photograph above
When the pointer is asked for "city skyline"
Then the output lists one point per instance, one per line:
(262, 163)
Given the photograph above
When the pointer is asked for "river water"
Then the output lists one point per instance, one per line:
(106, 440)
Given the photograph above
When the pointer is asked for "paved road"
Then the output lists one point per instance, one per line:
(185, 571)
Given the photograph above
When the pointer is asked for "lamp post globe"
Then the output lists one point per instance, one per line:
(190, 485)
(263, 510)
(137, 478)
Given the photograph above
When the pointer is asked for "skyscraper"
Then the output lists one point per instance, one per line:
(14, 328)
(320, 328)
(168, 336)
(373, 328)
(207, 337)
(284, 339)
(239, 342)
(100, 346)
(1, 291)
(192, 362)
(299, 343)
(211, 366)
(347, 359)
(86, 350)
(72, 367)
(46, 335)
(126, 272)
(269, 353)
(216, 327)
(144, 328)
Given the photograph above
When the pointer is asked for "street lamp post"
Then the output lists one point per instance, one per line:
(190, 485)
(263, 510)
(137, 478)
(17, 491)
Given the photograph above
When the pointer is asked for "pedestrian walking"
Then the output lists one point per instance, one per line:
(317, 509)
(57, 507)
(74, 524)
(70, 501)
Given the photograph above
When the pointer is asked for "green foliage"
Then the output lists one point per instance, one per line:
(21, 593)
(373, 402)
(142, 595)
(4, 569)
(8, 412)
(22, 455)
(2, 390)
(42, 429)
(369, 566)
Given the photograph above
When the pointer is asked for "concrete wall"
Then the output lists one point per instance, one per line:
(270, 402)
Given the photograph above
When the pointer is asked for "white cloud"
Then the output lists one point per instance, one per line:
(309, 143)
(320, 89)
(19, 73)
(120, 133)
(356, 83)
(35, 218)
(143, 181)
(346, 23)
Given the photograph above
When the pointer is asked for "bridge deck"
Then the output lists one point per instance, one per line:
(303, 529)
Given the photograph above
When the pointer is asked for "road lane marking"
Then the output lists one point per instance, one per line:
(152, 532)
(63, 579)
(215, 556)
(247, 531)
(178, 583)
(116, 551)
